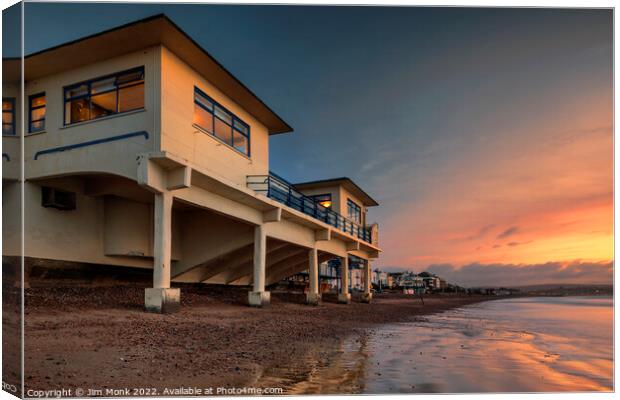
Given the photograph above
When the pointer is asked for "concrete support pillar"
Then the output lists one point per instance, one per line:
(161, 298)
(313, 297)
(259, 297)
(344, 297)
(15, 265)
(367, 296)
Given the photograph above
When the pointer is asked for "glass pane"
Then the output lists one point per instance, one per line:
(37, 126)
(223, 131)
(202, 100)
(76, 91)
(102, 105)
(225, 116)
(37, 101)
(103, 86)
(7, 129)
(323, 199)
(240, 142)
(353, 212)
(39, 113)
(131, 98)
(7, 117)
(203, 118)
(7, 105)
(241, 127)
(76, 111)
(130, 77)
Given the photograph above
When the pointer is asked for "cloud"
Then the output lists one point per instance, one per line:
(508, 232)
(481, 233)
(575, 272)
(514, 244)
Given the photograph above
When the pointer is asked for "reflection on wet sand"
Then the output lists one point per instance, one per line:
(342, 370)
(517, 345)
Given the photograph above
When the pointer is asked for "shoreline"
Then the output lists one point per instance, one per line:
(101, 338)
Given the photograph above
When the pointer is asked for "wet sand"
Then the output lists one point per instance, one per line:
(533, 344)
(101, 338)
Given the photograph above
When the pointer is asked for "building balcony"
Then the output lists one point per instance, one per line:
(279, 189)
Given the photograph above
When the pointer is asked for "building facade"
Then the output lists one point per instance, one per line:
(142, 151)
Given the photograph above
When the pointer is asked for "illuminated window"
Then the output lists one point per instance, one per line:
(323, 199)
(221, 123)
(36, 113)
(109, 95)
(8, 116)
(354, 212)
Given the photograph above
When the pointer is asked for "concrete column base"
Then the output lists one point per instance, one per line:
(313, 299)
(259, 299)
(366, 297)
(163, 301)
(344, 298)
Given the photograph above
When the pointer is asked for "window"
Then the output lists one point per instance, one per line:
(36, 113)
(323, 199)
(8, 116)
(109, 95)
(220, 122)
(354, 212)
(58, 199)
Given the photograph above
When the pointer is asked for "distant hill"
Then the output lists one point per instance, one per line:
(564, 289)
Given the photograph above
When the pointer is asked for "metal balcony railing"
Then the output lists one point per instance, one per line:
(280, 190)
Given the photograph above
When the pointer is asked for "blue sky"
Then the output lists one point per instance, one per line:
(462, 123)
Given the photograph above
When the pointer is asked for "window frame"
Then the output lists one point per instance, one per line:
(357, 207)
(233, 118)
(13, 114)
(88, 83)
(30, 109)
(331, 200)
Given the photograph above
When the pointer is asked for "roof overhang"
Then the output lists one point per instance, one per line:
(155, 30)
(347, 183)
(10, 69)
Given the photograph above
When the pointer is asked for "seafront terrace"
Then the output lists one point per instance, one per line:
(277, 188)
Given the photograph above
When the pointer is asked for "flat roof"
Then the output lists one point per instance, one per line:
(344, 181)
(137, 35)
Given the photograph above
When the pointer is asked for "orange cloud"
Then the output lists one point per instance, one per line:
(540, 192)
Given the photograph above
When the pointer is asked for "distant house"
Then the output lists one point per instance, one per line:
(330, 275)
(380, 278)
(412, 283)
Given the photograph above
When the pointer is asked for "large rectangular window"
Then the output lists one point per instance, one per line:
(354, 212)
(36, 113)
(108, 95)
(323, 199)
(8, 116)
(220, 122)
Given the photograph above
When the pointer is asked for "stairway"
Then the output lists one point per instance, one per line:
(235, 265)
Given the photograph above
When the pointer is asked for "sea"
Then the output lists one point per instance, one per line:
(522, 345)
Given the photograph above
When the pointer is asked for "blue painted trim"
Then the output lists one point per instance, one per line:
(91, 143)
(280, 178)
(4, 155)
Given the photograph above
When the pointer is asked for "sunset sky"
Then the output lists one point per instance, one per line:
(485, 135)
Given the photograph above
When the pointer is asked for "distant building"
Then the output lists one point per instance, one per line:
(380, 278)
(411, 282)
